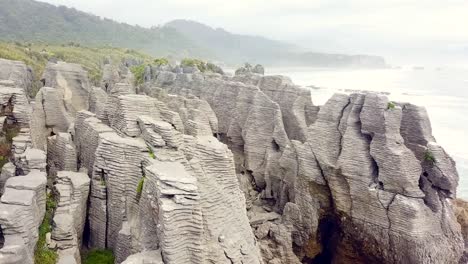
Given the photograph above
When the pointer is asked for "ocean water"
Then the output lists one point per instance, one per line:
(444, 93)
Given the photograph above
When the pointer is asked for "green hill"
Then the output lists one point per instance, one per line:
(38, 22)
(27, 20)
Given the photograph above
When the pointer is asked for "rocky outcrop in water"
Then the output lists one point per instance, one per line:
(206, 168)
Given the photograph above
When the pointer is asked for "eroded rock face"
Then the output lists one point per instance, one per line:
(128, 220)
(22, 209)
(71, 81)
(372, 194)
(352, 165)
(14, 106)
(170, 174)
(17, 74)
(68, 223)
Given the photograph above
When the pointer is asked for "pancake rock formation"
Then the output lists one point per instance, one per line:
(202, 167)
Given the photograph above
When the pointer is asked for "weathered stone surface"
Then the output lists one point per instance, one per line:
(71, 81)
(69, 219)
(18, 73)
(192, 194)
(335, 165)
(88, 130)
(117, 170)
(97, 103)
(31, 159)
(61, 154)
(354, 181)
(366, 136)
(128, 108)
(22, 208)
(50, 116)
(8, 171)
(145, 257)
(15, 106)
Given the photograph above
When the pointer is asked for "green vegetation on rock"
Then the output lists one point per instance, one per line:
(161, 61)
(42, 254)
(391, 105)
(429, 157)
(98, 256)
(139, 189)
(91, 58)
(188, 62)
(151, 153)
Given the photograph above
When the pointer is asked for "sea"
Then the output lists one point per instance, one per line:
(443, 91)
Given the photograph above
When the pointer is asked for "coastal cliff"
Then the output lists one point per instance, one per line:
(202, 167)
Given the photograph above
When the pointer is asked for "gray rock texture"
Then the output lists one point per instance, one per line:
(69, 218)
(14, 106)
(22, 208)
(207, 168)
(61, 154)
(17, 73)
(71, 80)
(354, 164)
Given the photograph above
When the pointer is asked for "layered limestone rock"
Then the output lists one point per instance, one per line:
(374, 181)
(50, 116)
(351, 171)
(65, 93)
(126, 219)
(22, 208)
(14, 106)
(198, 193)
(61, 154)
(358, 180)
(17, 74)
(68, 223)
(97, 103)
(71, 81)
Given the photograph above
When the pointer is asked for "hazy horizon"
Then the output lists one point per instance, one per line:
(404, 32)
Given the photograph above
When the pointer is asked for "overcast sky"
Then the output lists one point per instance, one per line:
(404, 31)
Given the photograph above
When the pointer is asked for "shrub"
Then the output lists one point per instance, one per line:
(161, 61)
(201, 65)
(99, 256)
(391, 105)
(43, 254)
(139, 73)
(3, 161)
(429, 157)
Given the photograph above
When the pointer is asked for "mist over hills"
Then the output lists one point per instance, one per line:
(28, 20)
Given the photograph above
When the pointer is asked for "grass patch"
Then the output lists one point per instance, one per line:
(391, 105)
(42, 254)
(99, 256)
(187, 62)
(139, 189)
(161, 61)
(151, 153)
(429, 157)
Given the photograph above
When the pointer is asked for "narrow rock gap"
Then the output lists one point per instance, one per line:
(2, 238)
(329, 229)
(339, 126)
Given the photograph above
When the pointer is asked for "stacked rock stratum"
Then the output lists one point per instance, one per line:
(193, 167)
